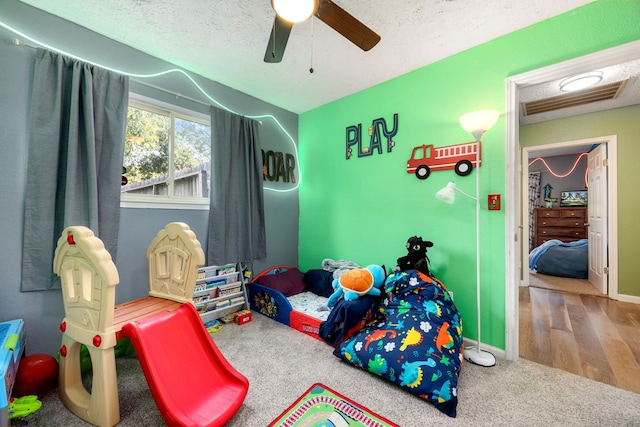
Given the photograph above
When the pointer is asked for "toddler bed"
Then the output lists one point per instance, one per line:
(299, 300)
(282, 294)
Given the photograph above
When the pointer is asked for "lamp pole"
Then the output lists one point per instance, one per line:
(478, 356)
(477, 123)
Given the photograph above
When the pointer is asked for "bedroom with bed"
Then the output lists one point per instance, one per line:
(558, 220)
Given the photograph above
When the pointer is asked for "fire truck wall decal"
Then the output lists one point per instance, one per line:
(459, 157)
(376, 131)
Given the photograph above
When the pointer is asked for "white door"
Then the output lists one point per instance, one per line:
(597, 216)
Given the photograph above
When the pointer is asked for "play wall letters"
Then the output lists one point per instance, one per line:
(377, 130)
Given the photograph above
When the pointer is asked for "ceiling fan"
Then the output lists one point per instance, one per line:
(325, 10)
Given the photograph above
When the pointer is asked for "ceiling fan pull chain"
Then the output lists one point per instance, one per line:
(273, 48)
(311, 59)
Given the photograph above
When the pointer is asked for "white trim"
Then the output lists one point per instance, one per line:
(615, 55)
(512, 232)
(145, 102)
(164, 204)
(629, 298)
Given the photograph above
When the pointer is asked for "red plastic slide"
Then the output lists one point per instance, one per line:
(190, 380)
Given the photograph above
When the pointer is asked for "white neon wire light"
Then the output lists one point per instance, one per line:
(182, 72)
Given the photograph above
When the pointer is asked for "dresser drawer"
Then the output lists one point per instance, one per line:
(547, 213)
(561, 232)
(572, 213)
(560, 222)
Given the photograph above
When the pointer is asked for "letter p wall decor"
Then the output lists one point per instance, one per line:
(379, 135)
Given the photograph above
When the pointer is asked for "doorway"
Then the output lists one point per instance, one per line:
(601, 200)
(513, 226)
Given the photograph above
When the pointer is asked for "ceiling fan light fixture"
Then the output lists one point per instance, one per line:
(295, 10)
(581, 81)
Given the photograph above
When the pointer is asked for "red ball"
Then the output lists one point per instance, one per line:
(37, 375)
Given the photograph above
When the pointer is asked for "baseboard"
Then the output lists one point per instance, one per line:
(628, 298)
(497, 352)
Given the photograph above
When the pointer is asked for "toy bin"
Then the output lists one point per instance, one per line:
(11, 348)
(241, 317)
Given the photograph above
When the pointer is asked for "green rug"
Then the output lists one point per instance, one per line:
(322, 407)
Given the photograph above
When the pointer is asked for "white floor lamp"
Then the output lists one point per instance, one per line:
(477, 123)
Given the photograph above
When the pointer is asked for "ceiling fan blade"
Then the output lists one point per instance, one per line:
(344, 23)
(278, 40)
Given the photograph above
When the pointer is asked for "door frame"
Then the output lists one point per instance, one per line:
(611, 204)
(513, 233)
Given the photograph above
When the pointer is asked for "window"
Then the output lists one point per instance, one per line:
(167, 156)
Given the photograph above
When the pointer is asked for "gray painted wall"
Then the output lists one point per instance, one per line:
(43, 311)
(561, 165)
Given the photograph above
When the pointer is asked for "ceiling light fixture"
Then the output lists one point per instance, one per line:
(581, 81)
(295, 10)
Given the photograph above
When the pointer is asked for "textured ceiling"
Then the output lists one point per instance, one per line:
(225, 40)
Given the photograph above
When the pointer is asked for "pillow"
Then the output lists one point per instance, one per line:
(289, 282)
(319, 282)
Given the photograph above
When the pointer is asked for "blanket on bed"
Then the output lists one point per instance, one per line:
(536, 253)
(556, 258)
(338, 267)
(415, 340)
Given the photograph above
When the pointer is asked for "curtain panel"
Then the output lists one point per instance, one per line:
(236, 214)
(534, 202)
(77, 128)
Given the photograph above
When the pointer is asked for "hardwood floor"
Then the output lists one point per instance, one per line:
(590, 336)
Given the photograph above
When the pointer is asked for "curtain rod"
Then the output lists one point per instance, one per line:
(176, 94)
(18, 42)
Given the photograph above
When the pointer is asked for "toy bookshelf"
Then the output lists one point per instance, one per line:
(220, 290)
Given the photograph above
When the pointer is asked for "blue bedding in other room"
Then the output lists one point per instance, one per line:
(556, 258)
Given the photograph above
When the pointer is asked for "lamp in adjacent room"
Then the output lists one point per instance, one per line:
(476, 123)
(295, 10)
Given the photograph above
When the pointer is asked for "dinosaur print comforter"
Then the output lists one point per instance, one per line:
(415, 340)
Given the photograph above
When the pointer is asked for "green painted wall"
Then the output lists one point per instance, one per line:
(364, 209)
(625, 123)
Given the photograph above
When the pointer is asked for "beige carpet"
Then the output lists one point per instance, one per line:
(282, 363)
(563, 284)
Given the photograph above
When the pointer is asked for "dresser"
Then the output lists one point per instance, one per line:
(566, 224)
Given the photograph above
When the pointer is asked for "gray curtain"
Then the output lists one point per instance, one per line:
(76, 146)
(236, 214)
(534, 202)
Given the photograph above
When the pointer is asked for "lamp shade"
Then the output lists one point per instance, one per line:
(294, 10)
(447, 194)
(479, 121)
